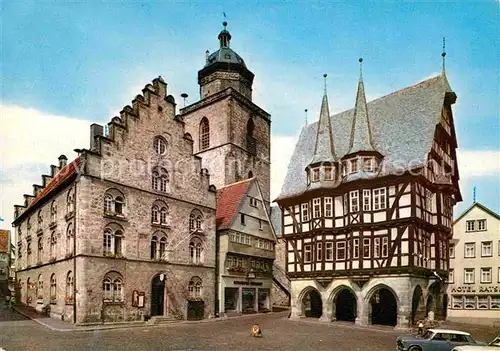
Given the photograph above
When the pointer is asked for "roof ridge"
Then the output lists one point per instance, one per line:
(236, 183)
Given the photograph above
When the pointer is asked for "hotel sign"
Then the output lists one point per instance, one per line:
(476, 289)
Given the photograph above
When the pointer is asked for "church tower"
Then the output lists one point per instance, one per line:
(230, 133)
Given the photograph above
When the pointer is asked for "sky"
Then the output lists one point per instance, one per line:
(67, 65)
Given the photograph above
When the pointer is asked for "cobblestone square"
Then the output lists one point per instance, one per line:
(279, 333)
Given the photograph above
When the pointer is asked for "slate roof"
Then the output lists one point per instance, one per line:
(226, 55)
(228, 202)
(276, 220)
(402, 125)
(4, 241)
(64, 174)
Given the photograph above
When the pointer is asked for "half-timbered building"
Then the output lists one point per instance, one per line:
(367, 208)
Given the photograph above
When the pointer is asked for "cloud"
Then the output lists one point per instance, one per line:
(282, 148)
(31, 141)
(478, 163)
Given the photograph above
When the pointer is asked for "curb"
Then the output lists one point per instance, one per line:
(133, 325)
(351, 326)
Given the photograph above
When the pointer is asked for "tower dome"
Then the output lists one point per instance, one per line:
(224, 68)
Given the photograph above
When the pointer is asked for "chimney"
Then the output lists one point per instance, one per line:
(95, 130)
(63, 160)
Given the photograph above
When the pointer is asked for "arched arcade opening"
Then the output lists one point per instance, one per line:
(345, 306)
(383, 307)
(312, 306)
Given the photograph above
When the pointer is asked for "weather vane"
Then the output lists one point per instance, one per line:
(443, 54)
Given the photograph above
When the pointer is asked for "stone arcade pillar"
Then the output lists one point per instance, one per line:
(328, 312)
(362, 309)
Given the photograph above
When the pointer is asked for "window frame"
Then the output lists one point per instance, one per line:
(473, 245)
(304, 212)
(483, 246)
(379, 199)
(354, 201)
(340, 250)
(328, 206)
(319, 251)
(471, 271)
(329, 251)
(308, 253)
(470, 226)
(451, 249)
(317, 207)
(204, 134)
(367, 244)
(489, 271)
(329, 173)
(367, 200)
(451, 276)
(158, 143)
(315, 175)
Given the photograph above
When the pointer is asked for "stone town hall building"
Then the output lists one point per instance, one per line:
(128, 228)
(367, 208)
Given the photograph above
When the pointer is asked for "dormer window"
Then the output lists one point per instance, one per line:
(353, 166)
(328, 173)
(344, 169)
(368, 164)
(315, 175)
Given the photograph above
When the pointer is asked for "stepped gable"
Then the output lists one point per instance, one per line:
(150, 93)
(402, 125)
(65, 174)
(228, 202)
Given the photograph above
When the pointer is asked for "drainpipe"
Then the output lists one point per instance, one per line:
(74, 256)
(217, 269)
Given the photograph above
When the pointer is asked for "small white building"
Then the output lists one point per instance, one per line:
(474, 276)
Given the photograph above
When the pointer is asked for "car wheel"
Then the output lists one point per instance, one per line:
(415, 348)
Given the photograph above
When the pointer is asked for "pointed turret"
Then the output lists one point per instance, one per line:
(323, 165)
(324, 150)
(361, 155)
(361, 135)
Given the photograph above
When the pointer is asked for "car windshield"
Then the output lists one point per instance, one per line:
(428, 334)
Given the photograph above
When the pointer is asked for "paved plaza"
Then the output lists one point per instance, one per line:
(19, 333)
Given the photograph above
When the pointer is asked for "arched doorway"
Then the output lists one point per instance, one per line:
(417, 305)
(384, 307)
(345, 306)
(158, 295)
(312, 305)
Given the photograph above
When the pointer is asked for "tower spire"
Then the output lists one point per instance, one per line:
(443, 54)
(324, 150)
(361, 136)
(224, 36)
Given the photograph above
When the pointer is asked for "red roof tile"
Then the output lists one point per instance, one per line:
(4, 241)
(64, 174)
(228, 201)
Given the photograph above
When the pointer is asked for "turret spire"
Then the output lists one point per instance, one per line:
(324, 150)
(361, 136)
(224, 36)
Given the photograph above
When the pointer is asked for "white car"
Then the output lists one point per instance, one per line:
(494, 345)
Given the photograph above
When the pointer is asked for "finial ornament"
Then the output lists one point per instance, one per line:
(224, 24)
(306, 115)
(324, 77)
(443, 54)
(474, 195)
(360, 67)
